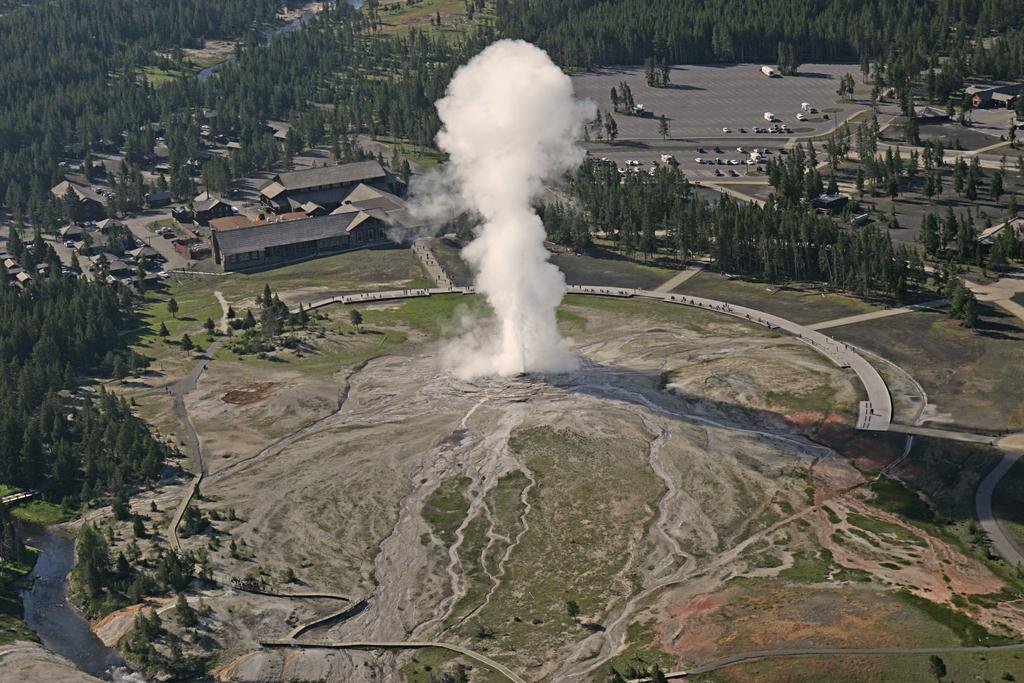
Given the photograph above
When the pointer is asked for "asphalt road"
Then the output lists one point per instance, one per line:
(137, 224)
(1001, 541)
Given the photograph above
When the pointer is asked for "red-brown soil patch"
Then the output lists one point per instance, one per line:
(249, 394)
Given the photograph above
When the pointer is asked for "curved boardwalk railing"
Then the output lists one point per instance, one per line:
(412, 645)
(874, 414)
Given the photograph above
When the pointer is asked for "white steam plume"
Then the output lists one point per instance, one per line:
(510, 121)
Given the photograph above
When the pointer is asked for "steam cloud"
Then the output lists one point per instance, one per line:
(510, 121)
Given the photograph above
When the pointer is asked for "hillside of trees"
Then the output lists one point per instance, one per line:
(55, 331)
(587, 33)
(336, 78)
(70, 72)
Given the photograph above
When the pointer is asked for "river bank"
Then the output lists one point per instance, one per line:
(59, 625)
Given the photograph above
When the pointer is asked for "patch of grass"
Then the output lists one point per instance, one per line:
(800, 303)
(157, 76)
(435, 316)
(41, 512)
(966, 629)
(569, 321)
(897, 497)
(640, 654)
(765, 561)
(832, 516)
(6, 490)
(821, 397)
(400, 16)
(505, 508)
(691, 318)
(882, 528)
(851, 574)
(809, 567)
(446, 507)
(974, 375)
(12, 624)
(427, 665)
(329, 358)
(577, 546)
(362, 270)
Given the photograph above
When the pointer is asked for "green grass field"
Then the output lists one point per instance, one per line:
(40, 512)
(799, 303)
(974, 375)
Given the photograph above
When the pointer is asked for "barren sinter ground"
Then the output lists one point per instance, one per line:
(667, 488)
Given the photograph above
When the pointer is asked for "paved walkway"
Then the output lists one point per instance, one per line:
(421, 250)
(874, 315)
(678, 279)
(737, 194)
(1001, 292)
(948, 434)
(1001, 541)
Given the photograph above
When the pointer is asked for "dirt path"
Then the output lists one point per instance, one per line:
(678, 279)
(180, 389)
(224, 307)
(874, 315)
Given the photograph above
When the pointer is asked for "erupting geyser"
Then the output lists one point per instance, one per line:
(510, 121)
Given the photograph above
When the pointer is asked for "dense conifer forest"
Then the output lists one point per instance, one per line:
(781, 241)
(588, 33)
(72, 448)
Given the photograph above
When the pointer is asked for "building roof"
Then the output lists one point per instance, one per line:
(231, 222)
(157, 196)
(364, 197)
(205, 204)
(82, 189)
(108, 223)
(930, 113)
(989, 235)
(358, 171)
(826, 200)
(142, 252)
(265, 235)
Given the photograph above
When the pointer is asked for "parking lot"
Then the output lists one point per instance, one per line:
(702, 100)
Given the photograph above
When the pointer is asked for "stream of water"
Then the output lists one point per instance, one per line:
(60, 626)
